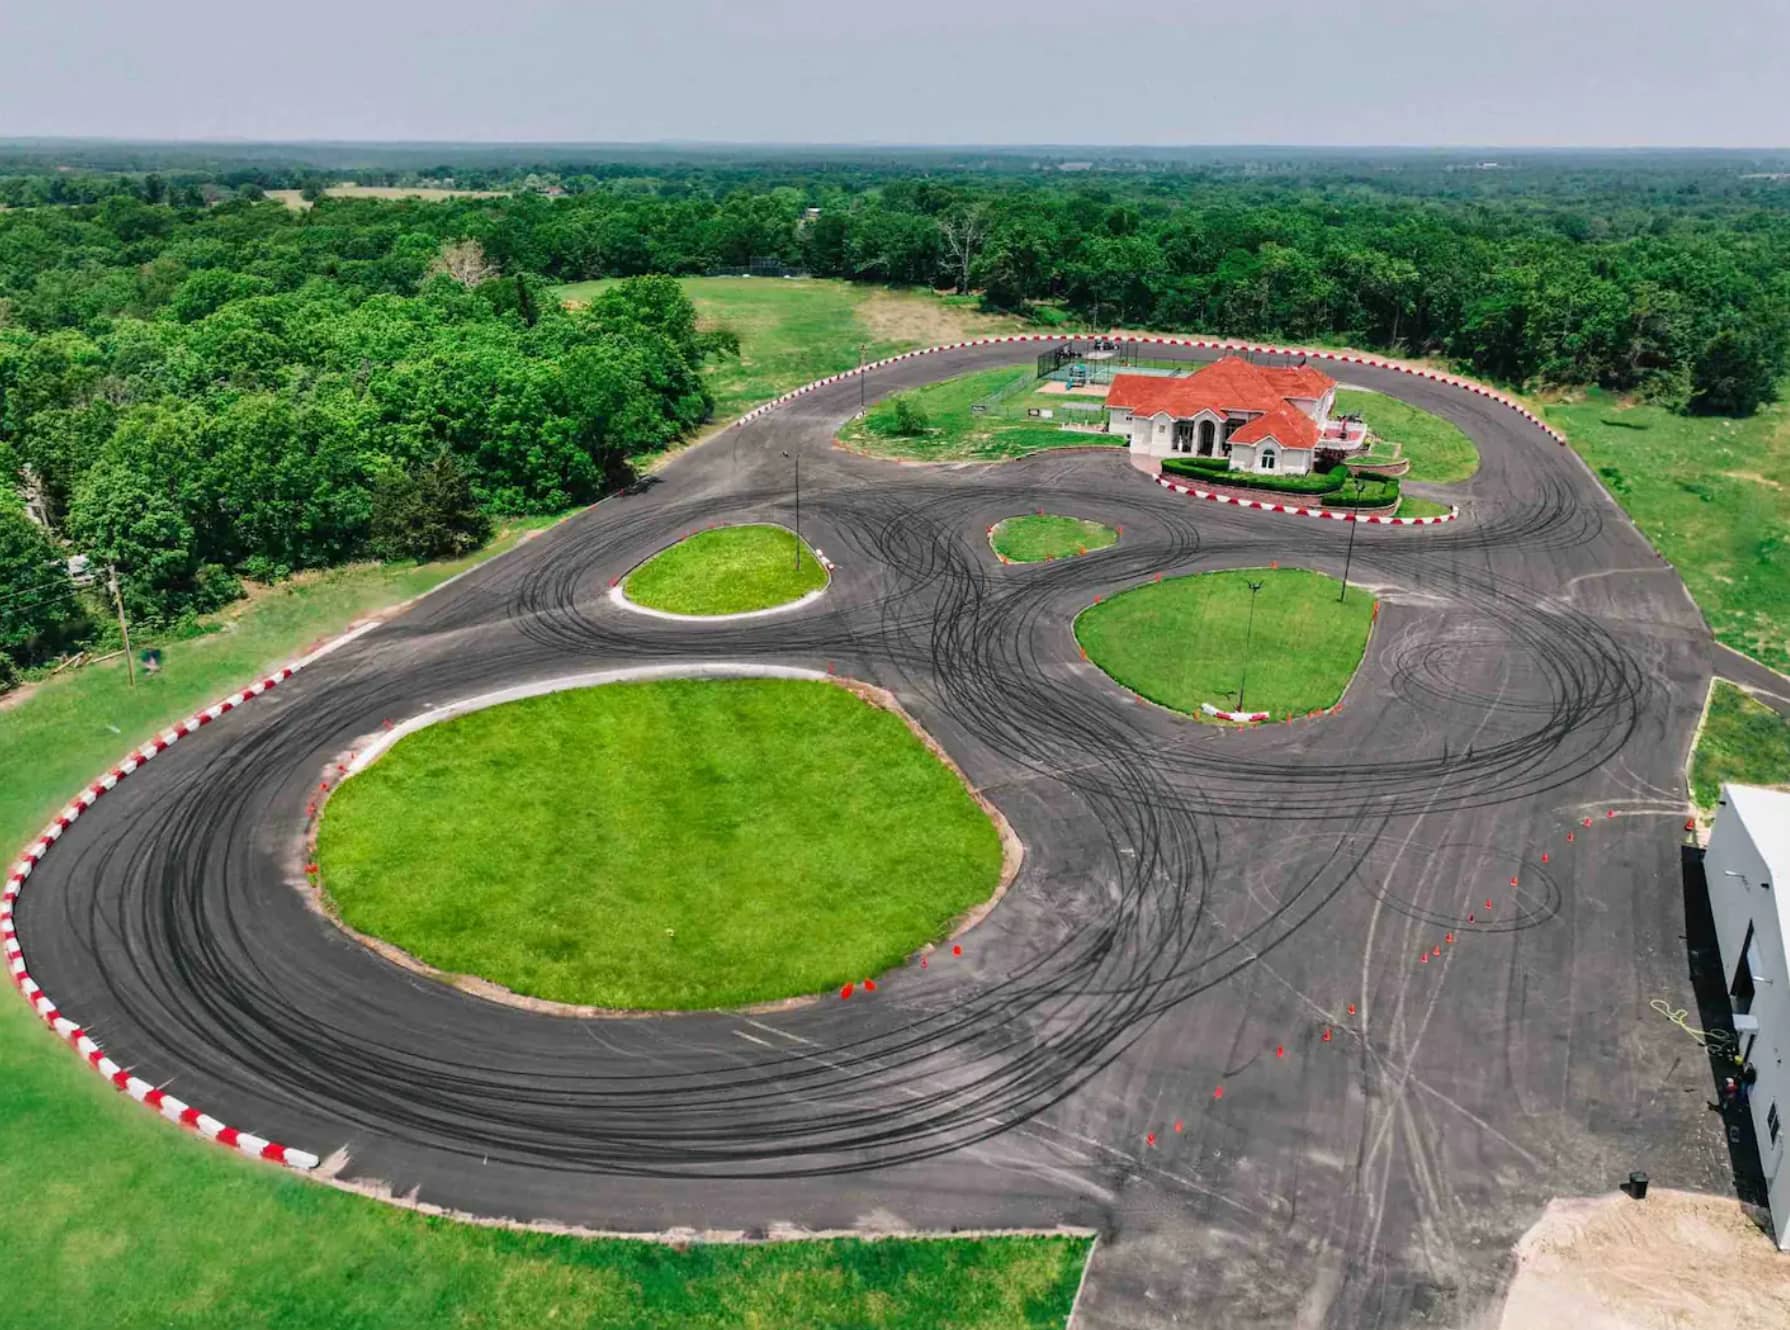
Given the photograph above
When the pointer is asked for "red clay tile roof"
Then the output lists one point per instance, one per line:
(1231, 384)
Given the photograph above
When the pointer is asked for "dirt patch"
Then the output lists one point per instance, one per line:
(1675, 1261)
(1755, 478)
(890, 316)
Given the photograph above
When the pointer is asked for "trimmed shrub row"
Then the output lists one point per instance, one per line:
(1333, 489)
(1201, 469)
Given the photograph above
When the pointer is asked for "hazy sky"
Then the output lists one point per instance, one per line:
(1507, 72)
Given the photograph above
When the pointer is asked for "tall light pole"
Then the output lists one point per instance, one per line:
(797, 459)
(861, 349)
(1248, 637)
(1349, 557)
(124, 629)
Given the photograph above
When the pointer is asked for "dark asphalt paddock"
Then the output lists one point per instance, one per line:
(1196, 907)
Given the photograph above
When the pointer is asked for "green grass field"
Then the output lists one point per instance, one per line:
(1035, 538)
(1440, 454)
(1713, 495)
(729, 570)
(1409, 505)
(956, 434)
(1743, 741)
(733, 841)
(1180, 642)
(793, 332)
(137, 1225)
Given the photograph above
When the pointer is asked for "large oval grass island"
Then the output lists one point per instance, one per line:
(670, 845)
(727, 570)
(1191, 641)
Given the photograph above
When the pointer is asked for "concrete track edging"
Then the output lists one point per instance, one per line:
(1334, 514)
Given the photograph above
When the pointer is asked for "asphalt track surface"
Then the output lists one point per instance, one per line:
(1196, 908)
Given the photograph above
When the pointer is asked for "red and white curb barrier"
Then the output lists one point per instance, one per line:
(1202, 343)
(83, 1043)
(1335, 514)
(1241, 717)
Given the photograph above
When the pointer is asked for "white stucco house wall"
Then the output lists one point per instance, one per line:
(1748, 867)
(1258, 418)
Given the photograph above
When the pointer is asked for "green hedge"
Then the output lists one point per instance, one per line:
(1328, 487)
(1371, 494)
(1201, 469)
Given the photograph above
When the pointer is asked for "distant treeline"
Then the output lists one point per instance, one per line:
(193, 391)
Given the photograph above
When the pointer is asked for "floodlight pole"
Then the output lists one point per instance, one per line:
(797, 459)
(1248, 637)
(1349, 557)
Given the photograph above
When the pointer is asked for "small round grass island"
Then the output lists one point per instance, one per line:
(727, 570)
(1037, 537)
(669, 845)
(1184, 641)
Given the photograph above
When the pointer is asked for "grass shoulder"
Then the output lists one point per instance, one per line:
(734, 841)
(1409, 505)
(1712, 494)
(727, 570)
(1743, 741)
(1185, 641)
(980, 416)
(1039, 537)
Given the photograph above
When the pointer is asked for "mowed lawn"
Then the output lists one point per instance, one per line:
(1180, 642)
(721, 842)
(1713, 495)
(137, 1225)
(795, 331)
(1037, 537)
(1440, 453)
(729, 570)
(1743, 741)
(955, 433)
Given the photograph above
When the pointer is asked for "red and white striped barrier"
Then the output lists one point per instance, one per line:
(1241, 717)
(83, 1043)
(1335, 514)
(1203, 343)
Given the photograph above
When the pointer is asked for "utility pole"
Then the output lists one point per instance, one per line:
(1248, 637)
(124, 631)
(797, 459)
(1349, 557)
(861, 349)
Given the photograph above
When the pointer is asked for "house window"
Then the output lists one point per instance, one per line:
(1771, 1122)
(1267, 459)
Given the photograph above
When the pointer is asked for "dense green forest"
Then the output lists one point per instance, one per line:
(198, 384)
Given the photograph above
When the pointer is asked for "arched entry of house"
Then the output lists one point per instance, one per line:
(1265, 459)
(1208, 431)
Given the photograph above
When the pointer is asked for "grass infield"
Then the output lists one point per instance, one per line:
(1180, 642)
(1409, 505)
(1440, 453)
(955, 433)
(1743, 741)
(680, 844)
(1035, 538)
(729, 570)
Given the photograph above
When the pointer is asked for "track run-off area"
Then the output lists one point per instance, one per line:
(1308, 1020)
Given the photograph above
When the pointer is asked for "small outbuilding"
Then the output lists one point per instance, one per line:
(1748, 867)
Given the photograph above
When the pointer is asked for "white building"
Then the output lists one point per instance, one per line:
(1748, 866)
(1258, 418)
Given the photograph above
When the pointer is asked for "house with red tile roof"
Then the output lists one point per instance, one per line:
(1259, 417)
